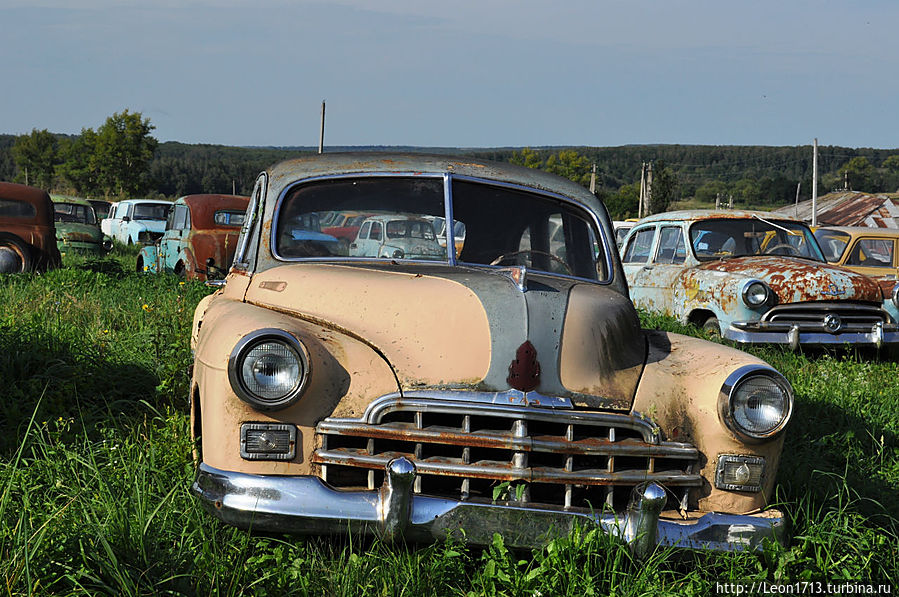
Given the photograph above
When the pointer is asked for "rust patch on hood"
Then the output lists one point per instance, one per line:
(793, 280)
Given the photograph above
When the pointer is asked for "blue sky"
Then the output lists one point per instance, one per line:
(468, 73)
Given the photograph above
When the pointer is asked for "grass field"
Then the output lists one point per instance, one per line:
(95, 470)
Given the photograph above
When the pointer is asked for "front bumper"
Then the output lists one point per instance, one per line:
(307, 505)
(759, 332)
(81, 247)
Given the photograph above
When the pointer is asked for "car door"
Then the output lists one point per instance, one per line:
(170, 243)
(873, 256)
(660, 277)
(635, 259)
(359, 247)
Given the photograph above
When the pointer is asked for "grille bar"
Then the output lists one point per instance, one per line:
(468, 449)
(505, 472)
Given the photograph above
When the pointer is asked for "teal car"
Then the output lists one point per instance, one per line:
(77, 228)
(199, 239)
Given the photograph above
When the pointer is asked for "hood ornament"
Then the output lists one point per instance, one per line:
(524, 370)
(518, 274)
(833, 290)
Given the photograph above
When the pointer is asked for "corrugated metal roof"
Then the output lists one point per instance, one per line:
(849, 208)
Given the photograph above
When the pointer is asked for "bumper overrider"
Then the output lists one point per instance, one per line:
(306, 504)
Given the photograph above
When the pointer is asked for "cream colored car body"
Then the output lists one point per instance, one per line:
(385, 335)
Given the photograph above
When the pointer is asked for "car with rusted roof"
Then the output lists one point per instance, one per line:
(199, 239)
(507, 389)
(752, 277)
(77, 227)
(27, 232)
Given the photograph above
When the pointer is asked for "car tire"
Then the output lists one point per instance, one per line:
(15, 256)
(180, 271)
(139, 268)
(712, 327)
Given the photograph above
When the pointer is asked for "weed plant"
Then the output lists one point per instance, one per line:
(95, 468)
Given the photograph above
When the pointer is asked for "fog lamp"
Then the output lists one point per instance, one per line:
(268, 441)
(740, 473)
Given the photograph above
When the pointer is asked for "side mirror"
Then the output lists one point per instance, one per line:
(126, 219)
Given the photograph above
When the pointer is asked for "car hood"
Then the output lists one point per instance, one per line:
(442, 327)
(75, 232)
(798, 280)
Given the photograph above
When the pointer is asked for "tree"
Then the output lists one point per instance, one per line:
(623, 204)
(664, 188)
(122, 153)
(36, 157)
(75, 167)
(710, 190)
(858, 173)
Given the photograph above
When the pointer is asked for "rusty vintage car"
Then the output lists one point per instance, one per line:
(199, 239)
(77, 227)
(27, 232)
(508, 389)
(752, 277)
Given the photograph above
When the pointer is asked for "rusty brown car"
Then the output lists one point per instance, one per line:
(27, 233)
(509, 388)
(199, 239)
(752, 277)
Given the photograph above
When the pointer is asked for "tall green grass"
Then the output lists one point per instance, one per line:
(95, 467)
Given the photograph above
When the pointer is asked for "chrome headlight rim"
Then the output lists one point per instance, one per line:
(747, 286)
(728, 393)
(895, 296)
(251, 341)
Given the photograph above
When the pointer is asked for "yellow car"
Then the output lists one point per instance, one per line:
(870, 251)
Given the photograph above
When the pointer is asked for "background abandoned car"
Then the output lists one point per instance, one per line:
(134, 221)
(199, 239)
(77, 227)
(753, 278)
(507, 389)
(27, 232)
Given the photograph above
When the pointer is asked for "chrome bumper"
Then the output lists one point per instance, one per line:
(307, 505)
(754, 332)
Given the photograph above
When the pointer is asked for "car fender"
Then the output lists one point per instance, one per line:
(149, 253)
(344, 374)
(679, 390)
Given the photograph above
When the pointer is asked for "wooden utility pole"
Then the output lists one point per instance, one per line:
(647, 195)
(642, 191)
(593, 180)
(321, 134)
(815, 184)
(233, 187)
(796, 209)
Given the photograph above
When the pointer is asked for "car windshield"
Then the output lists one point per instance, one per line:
(501, 225)
(150, 211)
(73, 212)
(739, 237)
(833, 243)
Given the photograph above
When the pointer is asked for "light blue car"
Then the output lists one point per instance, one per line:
(135, 221)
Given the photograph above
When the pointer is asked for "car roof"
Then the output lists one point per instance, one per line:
(159, 201)
(72, 200)
(864, 231)
(711, 214)
(330, 164)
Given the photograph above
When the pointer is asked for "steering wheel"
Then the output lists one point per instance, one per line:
(505, 256)
(791, 250)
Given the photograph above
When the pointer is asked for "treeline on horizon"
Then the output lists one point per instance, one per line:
(755, 176)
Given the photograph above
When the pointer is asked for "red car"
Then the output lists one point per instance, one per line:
(27, 233)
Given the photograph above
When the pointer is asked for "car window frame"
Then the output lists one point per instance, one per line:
(658, 242)
(632, 238)
(608, 272)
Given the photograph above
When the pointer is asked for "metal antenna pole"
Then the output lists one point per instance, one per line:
(321, 135)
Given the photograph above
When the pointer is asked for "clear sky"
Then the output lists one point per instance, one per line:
(466, 73)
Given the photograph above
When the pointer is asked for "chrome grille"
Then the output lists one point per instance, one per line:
(810, 316)
(484, 452)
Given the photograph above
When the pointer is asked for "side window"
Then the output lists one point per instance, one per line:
(130, 211)
(170, 219)
(638, 248)
(180, 222)
(375, 231)
(363, 232)
(872, 252)
(671, 246)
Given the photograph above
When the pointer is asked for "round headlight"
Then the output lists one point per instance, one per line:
(755, 403)
(756, 293)
(268, 369)
(896, 295)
